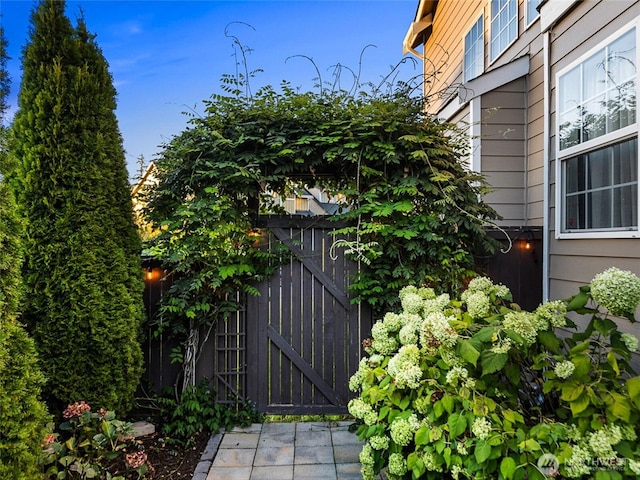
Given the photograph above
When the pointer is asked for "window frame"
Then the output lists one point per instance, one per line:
(494, 57)
(480, 18)
(530, 21)
(592, 145)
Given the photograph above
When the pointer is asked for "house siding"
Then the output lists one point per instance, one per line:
(519, 151)
(574, 262)
(516, 126)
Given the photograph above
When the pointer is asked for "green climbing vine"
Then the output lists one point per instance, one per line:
(415, 213)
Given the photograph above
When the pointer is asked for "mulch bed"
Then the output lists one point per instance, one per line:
(169, 461)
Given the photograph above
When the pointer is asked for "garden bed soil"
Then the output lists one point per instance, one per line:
(170, 462)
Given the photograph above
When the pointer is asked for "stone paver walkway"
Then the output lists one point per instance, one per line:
(283, 451)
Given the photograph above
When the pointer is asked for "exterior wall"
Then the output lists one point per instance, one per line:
(574, 262)
(503, 150)
(444, 50)
(444, 53)
(521, 165)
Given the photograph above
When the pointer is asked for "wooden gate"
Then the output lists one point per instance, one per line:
(303, 334)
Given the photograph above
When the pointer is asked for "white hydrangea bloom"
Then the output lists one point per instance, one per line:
(409, 333)
(478, 304)
(397, 464)
(616, 290)
(362, 410)
(412, 303)
(553, 312)
(355, 382)
(634, 466)
(578, 463)
(480, 284)
(481, 428)
(524, 324)
(502, 346)
(564, 369)
(379, 442)
(437, 304)
(436, 331)
(393, 322)
(366, 455)
(403, 430)
(502, 291)
(631, 341)
(408, 290)
(430, 462)
(456, 374)
(382, 342)
(601, 442)
(404, 367)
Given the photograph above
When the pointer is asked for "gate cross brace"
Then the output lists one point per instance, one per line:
(304, 367)
(314, 268)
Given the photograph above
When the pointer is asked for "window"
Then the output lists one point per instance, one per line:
(532, 10)
(474, 51)
(601, 188)
(504, 25)
(597, 96)
(597, 139)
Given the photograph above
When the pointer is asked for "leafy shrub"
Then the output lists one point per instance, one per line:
(92, 445)
(477, 388)
(198, 412)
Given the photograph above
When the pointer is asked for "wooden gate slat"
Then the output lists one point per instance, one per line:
(327, 281)
(304, 367)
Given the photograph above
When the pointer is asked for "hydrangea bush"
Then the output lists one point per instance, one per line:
(478, 388)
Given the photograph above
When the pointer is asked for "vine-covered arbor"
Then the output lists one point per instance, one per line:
(410, 211)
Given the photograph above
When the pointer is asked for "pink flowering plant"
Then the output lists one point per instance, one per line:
(92, 445)
(477, 388)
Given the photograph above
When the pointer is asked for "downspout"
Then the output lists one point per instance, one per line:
(546, 153)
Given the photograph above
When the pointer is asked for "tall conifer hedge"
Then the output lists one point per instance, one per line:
(22, 414)
(82, 252)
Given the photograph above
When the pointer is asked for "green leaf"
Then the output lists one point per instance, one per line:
(457, 424)
(604, 325)
(580, 404)
(468, 352)
(633, 387)
(549, 340)
(571, 390)
(482, 451)
(448, 403)
(508, 467)
(530, 445)
(492, 362)
(513, 373)
(485, 334)
(619, 406)
(578, 301)
(422, 435)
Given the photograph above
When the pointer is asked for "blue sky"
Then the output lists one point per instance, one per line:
(166, 57)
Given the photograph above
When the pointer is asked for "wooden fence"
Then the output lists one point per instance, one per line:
(292, 349)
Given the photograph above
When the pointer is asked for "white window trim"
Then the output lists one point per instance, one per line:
(602, 141)
(527, 22)
(490, 28)
(464, 47)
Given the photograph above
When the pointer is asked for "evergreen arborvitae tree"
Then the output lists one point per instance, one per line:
(22, 414)
(82, 253)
